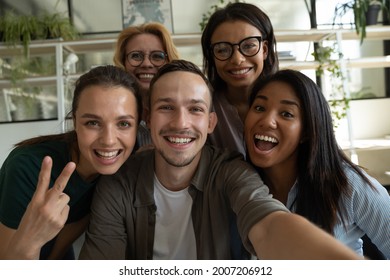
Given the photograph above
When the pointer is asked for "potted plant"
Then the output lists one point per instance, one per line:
(22, 29)
(365, 12)
(57, 26)
(18, 29)
(372, 12)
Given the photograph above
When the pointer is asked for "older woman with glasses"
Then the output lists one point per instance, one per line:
(238, 46)
(141, 50)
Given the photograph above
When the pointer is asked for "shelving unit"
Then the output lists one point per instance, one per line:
(316, 35)
(378, 32)
(188, 44)
(60, 48)
(184, 40)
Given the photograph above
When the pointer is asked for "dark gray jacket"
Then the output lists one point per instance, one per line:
(123, 209)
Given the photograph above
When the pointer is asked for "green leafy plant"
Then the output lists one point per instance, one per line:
(213, 8)
(328, 58)
(22, 29)
(360, 9)
(57, 26)
(18, 29)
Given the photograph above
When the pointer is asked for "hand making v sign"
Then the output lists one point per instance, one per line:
(47, 212)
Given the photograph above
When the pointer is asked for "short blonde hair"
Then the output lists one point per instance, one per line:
(154, 28)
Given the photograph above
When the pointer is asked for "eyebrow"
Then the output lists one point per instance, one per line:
(248, 37)
(143, 52)
(93, 116)
(283, 101)
(191, 101)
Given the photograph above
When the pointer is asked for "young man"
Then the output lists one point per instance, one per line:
(175, 202)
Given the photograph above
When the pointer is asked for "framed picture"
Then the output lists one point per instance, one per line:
(136, 12)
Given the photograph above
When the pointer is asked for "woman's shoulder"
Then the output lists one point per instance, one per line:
(32, 155)
(46, 147)
(361, 186)
(224, 162)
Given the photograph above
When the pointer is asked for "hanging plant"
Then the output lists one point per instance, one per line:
(328, 58)
(213, 8)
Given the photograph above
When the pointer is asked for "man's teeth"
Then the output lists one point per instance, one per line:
(240, 72)
(111, 154)
(179, 140)
(266, 138)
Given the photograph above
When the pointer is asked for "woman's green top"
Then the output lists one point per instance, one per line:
(19, 177)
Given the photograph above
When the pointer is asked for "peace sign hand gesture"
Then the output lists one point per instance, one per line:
(45, 215)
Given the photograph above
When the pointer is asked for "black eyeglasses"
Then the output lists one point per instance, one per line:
(157, 58)
(249, 46)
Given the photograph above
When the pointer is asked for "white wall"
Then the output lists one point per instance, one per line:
(11, 133)
(370, 119)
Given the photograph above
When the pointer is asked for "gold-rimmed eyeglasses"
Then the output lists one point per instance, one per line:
(157, 58)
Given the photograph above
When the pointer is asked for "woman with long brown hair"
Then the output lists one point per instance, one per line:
(46, 183)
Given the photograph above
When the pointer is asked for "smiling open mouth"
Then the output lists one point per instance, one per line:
(108, 155)
(265, 143)
(179, 140)
(145, 76)
(240, 72)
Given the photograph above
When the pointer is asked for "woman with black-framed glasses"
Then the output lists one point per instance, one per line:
(239, 46)
(249, 46)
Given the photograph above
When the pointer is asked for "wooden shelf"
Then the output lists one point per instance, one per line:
(92, 45)
(366, 62)
(377, 32)
(36, 48)
(32, 81)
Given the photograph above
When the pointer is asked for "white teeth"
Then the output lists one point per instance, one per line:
(240, 72)
(179, 140)
(111, 154)
(146, 76)
(266, 138)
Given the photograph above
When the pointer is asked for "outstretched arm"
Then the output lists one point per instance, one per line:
(45, 216)
(282, 235)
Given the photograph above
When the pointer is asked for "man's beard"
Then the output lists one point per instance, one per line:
(174, 162)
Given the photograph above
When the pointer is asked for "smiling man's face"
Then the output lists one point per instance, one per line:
(180, 117)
